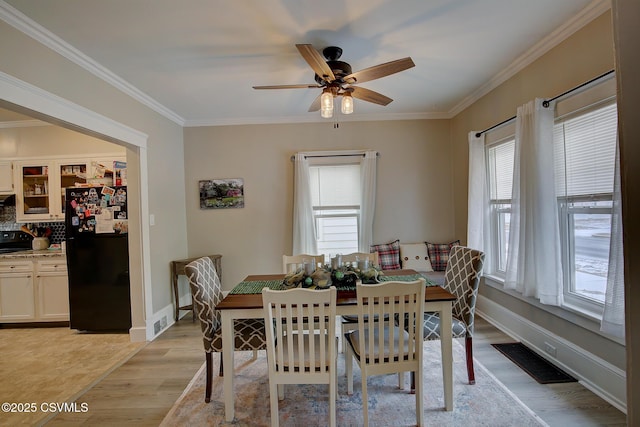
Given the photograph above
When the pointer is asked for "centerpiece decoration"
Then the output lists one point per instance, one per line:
(341, 275)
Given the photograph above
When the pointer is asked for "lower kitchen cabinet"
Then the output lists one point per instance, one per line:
(17, 292)
(34, 291)
(52, 287)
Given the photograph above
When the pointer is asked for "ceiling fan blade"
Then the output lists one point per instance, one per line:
(370, 96)
(301, 86)
(317, 63)
(378, 71)
(315, 105)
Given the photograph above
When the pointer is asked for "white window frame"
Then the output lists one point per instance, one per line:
(572, 299)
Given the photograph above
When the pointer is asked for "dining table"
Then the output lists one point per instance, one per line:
(244, 301)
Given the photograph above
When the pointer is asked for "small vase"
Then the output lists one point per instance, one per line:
(40, 243)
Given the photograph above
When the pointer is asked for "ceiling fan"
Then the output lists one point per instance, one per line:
(336, 78)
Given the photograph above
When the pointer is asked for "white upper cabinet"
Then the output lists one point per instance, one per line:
(6, 178)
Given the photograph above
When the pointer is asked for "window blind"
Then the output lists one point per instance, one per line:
(501, 158)
(585, 149)
(335, 185)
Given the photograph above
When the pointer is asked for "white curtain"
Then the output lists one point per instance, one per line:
(368, 200)
(478, 197)
(304, 231)
(613, 315)
(534, 256)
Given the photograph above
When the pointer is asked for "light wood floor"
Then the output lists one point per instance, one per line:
(142, 390)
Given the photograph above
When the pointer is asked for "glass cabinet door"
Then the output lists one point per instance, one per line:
(35, 189)
(71, 175)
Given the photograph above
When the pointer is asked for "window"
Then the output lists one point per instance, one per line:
(585, 146)
(500, 157)
(335, 191)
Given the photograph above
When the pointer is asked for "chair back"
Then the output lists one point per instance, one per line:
(386, 348)
(462, 278)
(353, 257)
(302, 342)
(206, 293)
(291, 261)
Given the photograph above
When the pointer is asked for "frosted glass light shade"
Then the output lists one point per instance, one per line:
(347, 104)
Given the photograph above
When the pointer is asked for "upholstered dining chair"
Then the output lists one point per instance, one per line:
(301, 350)
(382, 347)
(206, 292)
(294, 260)
(462, 278)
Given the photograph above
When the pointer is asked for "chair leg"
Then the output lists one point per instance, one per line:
(273, 398)
(365, 397)
(221, 371)
(348, 364)
(332, 401)
(209, 363)
(419, 399)
(468, 344)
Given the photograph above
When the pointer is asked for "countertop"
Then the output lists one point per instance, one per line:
(30, 254)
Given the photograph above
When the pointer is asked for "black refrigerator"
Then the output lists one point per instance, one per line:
(98, 258)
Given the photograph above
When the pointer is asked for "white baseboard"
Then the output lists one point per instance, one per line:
(596, 374)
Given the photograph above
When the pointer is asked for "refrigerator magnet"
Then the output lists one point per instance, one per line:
(75, 221)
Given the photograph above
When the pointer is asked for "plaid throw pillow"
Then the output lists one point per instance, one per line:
(439, 254)
(388, 255)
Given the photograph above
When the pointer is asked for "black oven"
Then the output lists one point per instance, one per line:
(14, 241)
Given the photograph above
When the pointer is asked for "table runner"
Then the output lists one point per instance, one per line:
(255, 286)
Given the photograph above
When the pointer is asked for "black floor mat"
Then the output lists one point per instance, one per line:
(536, 366)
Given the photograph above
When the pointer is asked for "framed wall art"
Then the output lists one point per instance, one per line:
(221, 193)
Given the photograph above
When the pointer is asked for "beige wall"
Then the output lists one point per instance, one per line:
(414, 197)
(626, 14)
(51, 72)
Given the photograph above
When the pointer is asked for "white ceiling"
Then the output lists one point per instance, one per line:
(195, 61)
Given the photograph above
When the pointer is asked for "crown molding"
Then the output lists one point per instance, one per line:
(586, 15)
(22, 23)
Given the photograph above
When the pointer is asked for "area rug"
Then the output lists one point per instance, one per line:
(533, 364)
(487, 403)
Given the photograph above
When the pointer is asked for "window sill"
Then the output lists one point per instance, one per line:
(589, 321)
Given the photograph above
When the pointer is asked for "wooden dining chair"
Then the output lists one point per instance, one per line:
(382, 347)
(355, 256)
(301, 345)
(206, 292)
(294, 260)
(350, 322)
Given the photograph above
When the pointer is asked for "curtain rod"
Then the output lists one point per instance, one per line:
(335, 155)
(547, 102)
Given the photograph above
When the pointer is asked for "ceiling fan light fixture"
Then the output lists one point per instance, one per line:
(326, 104)
(346, 105)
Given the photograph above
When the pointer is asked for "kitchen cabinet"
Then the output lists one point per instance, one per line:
(17, 292)
(35, 190)
(34, 290)
(52, 290)
(41, 184)
(6, 178)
